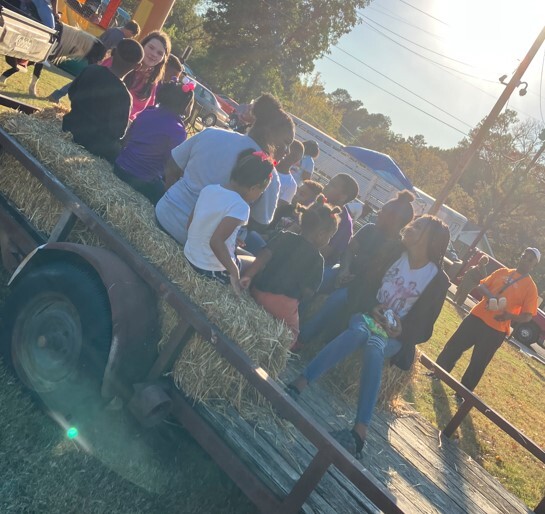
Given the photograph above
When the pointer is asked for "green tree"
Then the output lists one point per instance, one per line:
(186, 28)
(258, 37)
(355, 117)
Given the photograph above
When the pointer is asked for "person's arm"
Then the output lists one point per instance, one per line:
(528, 309)
(119, 108)
(217, 244)
(523, 317)
(307, 169)
(262, 259)
(262, 211)
(327, 252)
(173, 172)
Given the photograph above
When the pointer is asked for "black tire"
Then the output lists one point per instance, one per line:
(526, 333)
(58, 323)
(209, 120)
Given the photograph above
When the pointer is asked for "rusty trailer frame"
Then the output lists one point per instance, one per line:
(329, 452)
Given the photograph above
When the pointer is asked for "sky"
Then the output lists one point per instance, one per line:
(473, 43)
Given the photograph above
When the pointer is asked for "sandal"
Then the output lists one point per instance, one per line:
(350, 440)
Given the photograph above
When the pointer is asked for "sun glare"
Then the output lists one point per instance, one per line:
(492, 35)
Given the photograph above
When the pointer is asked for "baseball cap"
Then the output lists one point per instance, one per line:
(535, 251)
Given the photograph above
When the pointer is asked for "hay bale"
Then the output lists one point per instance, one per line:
(200, 372)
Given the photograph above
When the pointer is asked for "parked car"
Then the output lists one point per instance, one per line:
(208, 109)
(226, 103)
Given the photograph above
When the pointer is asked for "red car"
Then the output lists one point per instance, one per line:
(226, 103)
(526, 333)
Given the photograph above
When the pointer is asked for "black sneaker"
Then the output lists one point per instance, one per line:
(293, 392)
(350, 441)
(432, 375)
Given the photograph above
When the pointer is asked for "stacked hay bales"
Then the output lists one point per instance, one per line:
(200, 371)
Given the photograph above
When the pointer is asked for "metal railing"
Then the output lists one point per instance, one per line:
(471, 400)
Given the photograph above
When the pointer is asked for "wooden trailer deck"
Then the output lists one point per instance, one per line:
(426, 473)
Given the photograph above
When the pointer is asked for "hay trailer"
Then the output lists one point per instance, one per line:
(74, 306)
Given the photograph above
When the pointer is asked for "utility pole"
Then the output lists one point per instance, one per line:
(487, 124)
(501, 206)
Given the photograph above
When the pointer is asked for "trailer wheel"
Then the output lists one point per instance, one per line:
(526, 333)
(58, 324)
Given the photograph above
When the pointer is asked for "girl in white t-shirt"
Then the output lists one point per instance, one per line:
(219, 213)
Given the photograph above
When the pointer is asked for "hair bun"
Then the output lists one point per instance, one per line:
(405, 196)
(266, 106)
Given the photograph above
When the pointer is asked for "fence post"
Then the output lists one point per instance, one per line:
(457, 419)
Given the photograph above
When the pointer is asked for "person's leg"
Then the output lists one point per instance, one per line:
(7, 74)
(459, 342)
(486, 345)
(281, 307)
(327, 314)
(375, 351)
(254, 242)
(338, 349)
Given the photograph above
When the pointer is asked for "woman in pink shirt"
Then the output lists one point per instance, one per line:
(142, 82)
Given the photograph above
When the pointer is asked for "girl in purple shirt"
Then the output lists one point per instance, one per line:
(150, 139)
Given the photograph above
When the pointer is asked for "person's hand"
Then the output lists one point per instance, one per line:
(245, 282)
(394, 332)
(235, 284)
(378, 315)
(241, 243)
(504, 316)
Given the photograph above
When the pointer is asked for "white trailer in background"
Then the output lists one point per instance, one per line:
(455, 221)
(334, 160)
(374, 189)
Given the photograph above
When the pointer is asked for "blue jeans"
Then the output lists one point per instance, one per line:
(329, 313)
(254, 242)
(375, 351)
(45, 12)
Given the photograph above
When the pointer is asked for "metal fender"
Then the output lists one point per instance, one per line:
(133, 306)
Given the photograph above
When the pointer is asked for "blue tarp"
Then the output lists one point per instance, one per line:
(382, 165)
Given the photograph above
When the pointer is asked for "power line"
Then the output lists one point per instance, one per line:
(380, 87)
(403, 87)
(385, 12)
(427, 58)
(424, 12)
(396, 96)
(416, 44)
(541, 88)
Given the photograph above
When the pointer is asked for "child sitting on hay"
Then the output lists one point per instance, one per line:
(151, 138)
(291, 267)
(101, 103)
(219, 213)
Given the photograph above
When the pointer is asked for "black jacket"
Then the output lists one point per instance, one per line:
(417, 325)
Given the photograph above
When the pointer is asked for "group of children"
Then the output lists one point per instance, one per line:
(129, 109)
(249, 215)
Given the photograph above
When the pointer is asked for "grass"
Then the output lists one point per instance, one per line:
(514, 386)
(42, 471)
(125, 470)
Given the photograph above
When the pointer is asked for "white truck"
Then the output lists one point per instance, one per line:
(334, 159)
(377, 186)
